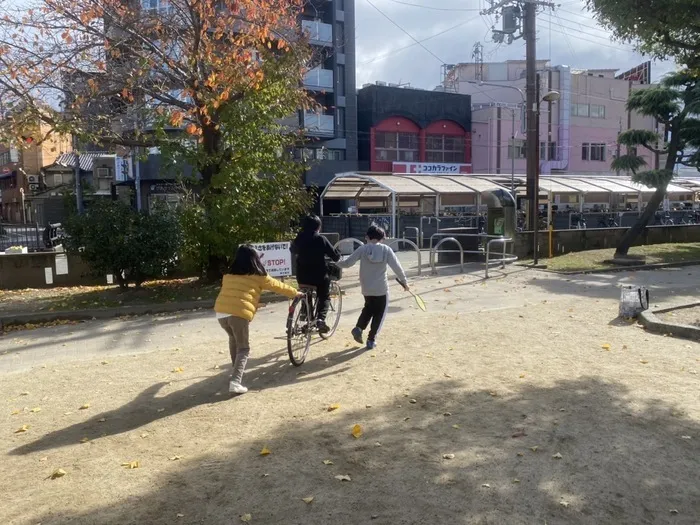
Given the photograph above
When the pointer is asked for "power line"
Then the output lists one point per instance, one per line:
(399, 49)
(404, 31)
(451, 9)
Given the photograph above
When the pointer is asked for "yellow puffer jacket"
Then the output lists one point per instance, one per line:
(240, 294)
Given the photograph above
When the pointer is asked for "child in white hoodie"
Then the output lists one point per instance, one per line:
(374, 258)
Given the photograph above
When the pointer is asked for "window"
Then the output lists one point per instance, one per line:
(5, 158)
(340, 37)
(593, 151)
(548, 151)
(444, 148)
(520, 149)
(57, 179)
(392, 146)
(597, 111)
(158, 6)
(340, 81)
(580, 110)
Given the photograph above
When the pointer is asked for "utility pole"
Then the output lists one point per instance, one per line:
(78, 181)
(530, 35)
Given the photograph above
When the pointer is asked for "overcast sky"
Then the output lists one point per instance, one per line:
(566, 36)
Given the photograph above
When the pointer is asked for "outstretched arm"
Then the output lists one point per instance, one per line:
(332, 253)
(350, 261)
(396, 267)
(278, 287)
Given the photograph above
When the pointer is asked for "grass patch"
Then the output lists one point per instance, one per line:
(593, 259)
(73, 298)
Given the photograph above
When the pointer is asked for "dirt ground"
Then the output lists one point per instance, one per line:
(689, 316)
(518, 400)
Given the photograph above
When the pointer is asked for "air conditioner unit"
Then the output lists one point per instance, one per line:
(33, 187)
(102, 172)
(32, 179)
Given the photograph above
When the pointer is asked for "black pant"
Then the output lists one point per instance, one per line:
(374, 310)
(323, 293)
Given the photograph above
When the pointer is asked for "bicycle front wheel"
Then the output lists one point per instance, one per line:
(299, 330)
(336, 307)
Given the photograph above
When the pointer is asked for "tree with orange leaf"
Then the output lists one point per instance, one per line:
(207, 82)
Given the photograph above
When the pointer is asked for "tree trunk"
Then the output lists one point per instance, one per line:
(214, 269)
(642, 222)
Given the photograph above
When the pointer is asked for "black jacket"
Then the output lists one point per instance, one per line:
(311, 250)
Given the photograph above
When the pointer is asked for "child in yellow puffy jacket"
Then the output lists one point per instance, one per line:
(237, 304)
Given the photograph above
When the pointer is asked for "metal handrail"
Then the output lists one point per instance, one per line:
(433, 251)
(415, 247)
(506, 257)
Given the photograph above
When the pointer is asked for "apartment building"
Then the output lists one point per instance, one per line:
(578, 133)
(21, 172)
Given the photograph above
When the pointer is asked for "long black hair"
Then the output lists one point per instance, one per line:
(311, 224)
(247, 262)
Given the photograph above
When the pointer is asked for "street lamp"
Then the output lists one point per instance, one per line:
(550, 96)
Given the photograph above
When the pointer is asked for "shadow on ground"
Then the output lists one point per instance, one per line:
(621, 463)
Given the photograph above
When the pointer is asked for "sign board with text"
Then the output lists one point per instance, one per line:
(276, 258)
(431, 168)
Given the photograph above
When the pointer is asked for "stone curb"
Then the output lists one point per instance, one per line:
(109, 313)
(655, 266)
(652, 323)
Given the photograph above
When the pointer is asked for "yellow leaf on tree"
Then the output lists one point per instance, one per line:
(356, 431)
(265, 451)
(21, 429)
(333, 407)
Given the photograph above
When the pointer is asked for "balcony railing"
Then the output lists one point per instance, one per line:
(319, 78)
(318, 32)
(319, 125)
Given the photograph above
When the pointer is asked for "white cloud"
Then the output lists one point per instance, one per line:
(569, 36)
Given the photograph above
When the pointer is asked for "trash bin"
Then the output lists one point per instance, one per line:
(501, 213)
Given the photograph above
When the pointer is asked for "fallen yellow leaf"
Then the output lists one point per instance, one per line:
(455, 426)
(356, 431)
(557, 456)
(333, 407)
(327, 462)
(606, 346)
(16, 411)
(178, 370)
(175, 458)
(58, 473)
(85, 440)
(35, 410)
(102, 420)
(21, 429)
(246, 518)
(343, 477)
(85, 406)
(131, 465)
(448, 456)
(307, 500)
(644, 361)
(534, 449)
(265, 451)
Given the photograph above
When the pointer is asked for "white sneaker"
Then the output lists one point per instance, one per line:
(236, 388)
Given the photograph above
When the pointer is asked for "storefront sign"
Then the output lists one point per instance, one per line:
(431, 168)
(276, 258)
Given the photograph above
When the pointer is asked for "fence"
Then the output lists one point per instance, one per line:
(30, 236)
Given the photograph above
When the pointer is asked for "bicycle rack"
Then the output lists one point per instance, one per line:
(348, 239)
(412, 229)
(433, 251)
(412, 244)
(505, 256)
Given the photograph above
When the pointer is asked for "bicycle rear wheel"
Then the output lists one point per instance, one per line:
(336, 307)
(299, 330)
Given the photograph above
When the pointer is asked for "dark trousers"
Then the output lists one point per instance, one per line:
(374, 311)
(323, 293)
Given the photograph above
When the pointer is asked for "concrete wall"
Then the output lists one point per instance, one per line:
(566, 241)
(28, 271)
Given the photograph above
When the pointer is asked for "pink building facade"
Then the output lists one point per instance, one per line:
(578, 133)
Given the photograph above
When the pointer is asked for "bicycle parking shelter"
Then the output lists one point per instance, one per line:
(425, 194)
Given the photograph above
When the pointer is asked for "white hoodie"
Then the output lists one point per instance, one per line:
(374, 259)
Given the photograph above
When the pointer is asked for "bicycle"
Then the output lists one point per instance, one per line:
(302, 322)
